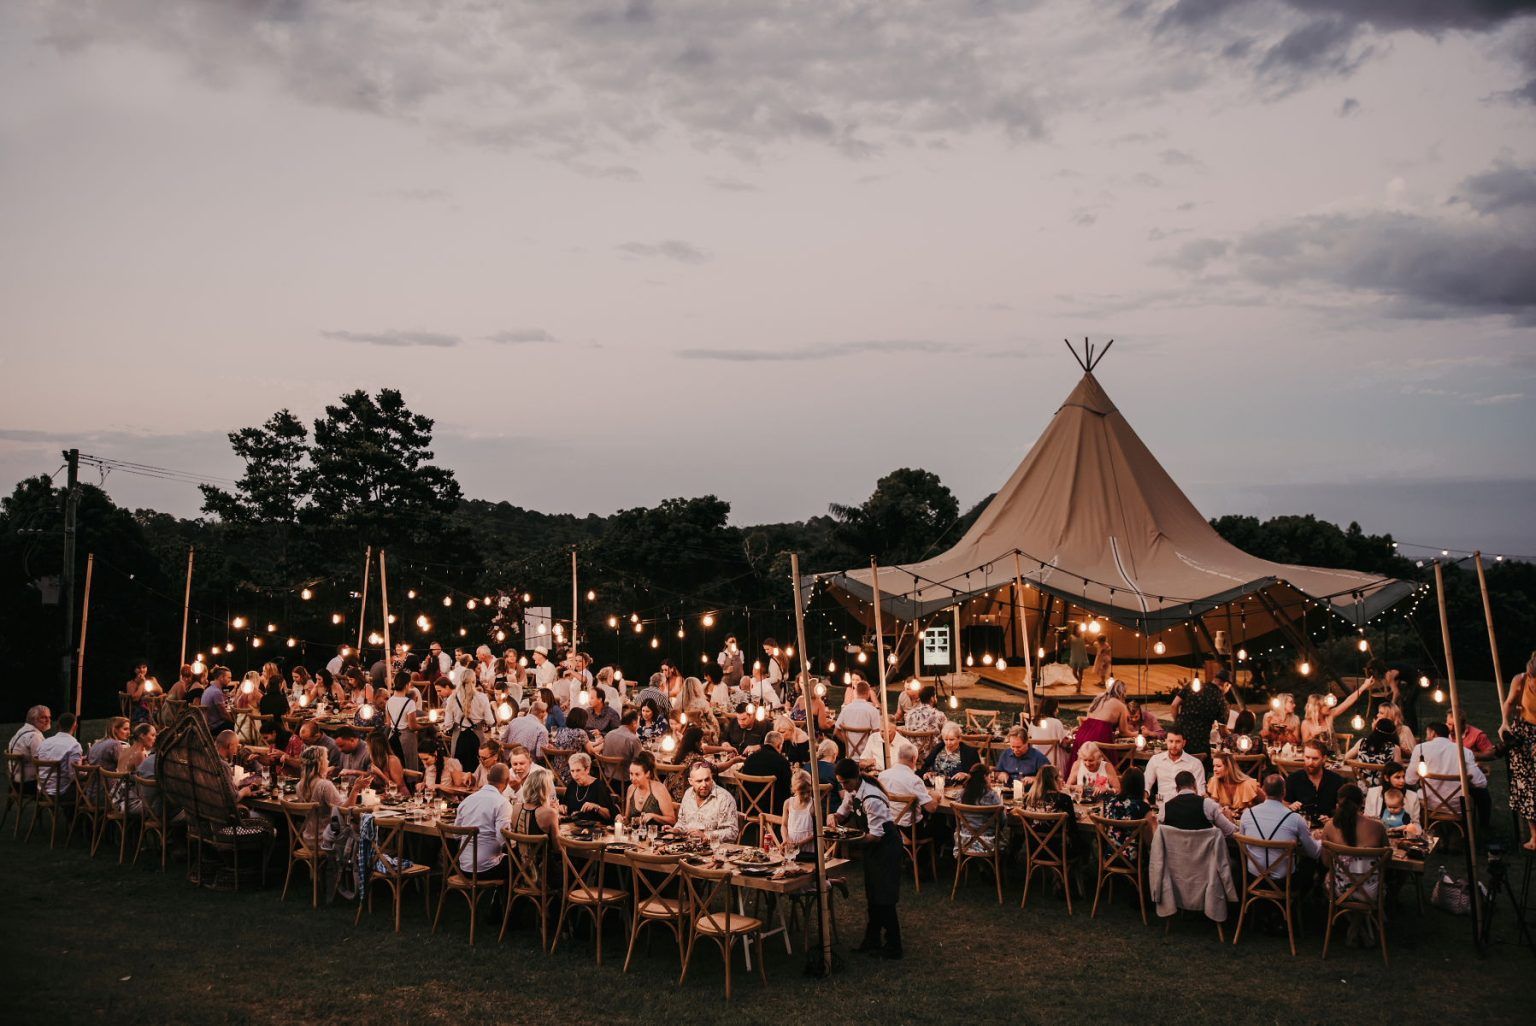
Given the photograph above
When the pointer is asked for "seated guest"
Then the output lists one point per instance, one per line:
(141, 744)
(647, 801)
(489, 812)
(902, 781)
(1313, 790)
(1394, 813)
(859, 722)
(622, 742)
(1143, 720)
(797, 743)
(528, 729)
(981, 833)
(1190, 810)
(800, 818)
(1233, 789)
(314, 769)
(538, 809)
(1130, 803)
(743, 731)
(1394, 777)
(768, 761)
(925, 714)
(27, 740)
(1019, 761)
(601, 717)
(1092, 773)
(1048, 727)
(571, 737)
(708, 812)
(691, 749)
(439, 771)
(519, 762)
(384, 764)
(1165, 766)
(64, 748)
(1377, 748)
(352, 755)
(587, 798)
(105, 751)
(1273, 820)
(1437, 754)
(1350, 826)
(227, 744)
(309, 735)
(653, 726)
(214, 702)
(490, 755)
(826, 761)
(953, 758)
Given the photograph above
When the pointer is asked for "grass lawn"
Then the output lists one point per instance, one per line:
(88, 940)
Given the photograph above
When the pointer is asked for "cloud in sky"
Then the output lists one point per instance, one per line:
(667, 249)
(395, 339)
(831, 351)
(520, 336)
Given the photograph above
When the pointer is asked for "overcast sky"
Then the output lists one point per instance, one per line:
(623, 251)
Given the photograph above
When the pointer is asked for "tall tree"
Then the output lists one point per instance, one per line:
(275, 485)
(904, 517)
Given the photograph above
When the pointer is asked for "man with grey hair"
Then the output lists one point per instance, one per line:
(707, 812)
(489, 812)
(485, 667)
(27, 741)
(768, 761)
(528, 729)
(902, 781)
(826, 761)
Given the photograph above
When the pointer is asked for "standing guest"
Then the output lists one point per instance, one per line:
(1229, 786)
(1273, 820)
(1019, 761)
(1520, 735)
(707, 812)
(776, 662)
(437, 662)
(63, 747)
(488, 811)
(761, 692)
(334, 665)
(215, 703)
(1188, 809)
(924, 714)
(400, 722)
(1077, 658)
(528, 729)
(867, 806)
(136, 692)
(647, 800)
(1106, 719)
(1165, 766)
(1437, 754)
(587, 797)
(538, 806)
(732, 663)
(800, 819)
(1195, 708)
(273, 705)
(105, 751)
(1103, 662)
(1313, 790)
(769, 761)
(468, 717)
(1048, 727)
(859, 722)
(545, 673)
(902, 781)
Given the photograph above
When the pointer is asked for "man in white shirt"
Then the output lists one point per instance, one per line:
(771, 650)
(1436, 755)
(338, 660)
(485, 667)
(488, 811)
(437, 662)
(64, 747)
(707, 811)
(759, 692)
(858, 724)
(545, 673)
(902, 781)
(1165, 765)
(873, 760)
(27, 740)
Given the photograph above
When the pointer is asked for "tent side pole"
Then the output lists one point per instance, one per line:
(362, 612)
(823, 910)
(1493, 642)
(1023, 626)
(1458, 724)
(885, 706)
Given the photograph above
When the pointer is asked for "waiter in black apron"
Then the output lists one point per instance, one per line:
(867, 808)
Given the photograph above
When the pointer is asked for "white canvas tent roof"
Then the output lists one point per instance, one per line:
(1099, 525)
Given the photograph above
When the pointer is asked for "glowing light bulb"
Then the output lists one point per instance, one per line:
(464, 633)
(761, 714)
(527, 598)
(680, 632)
(149, 686)
(1305, 669)
(1082, 628)
(1242, 655)
(543, 628)
(392, 618)
(655, 642)
(247, 687)
(704, 659)
(986, 659)
(365, 713)
(954, 701)
(1158, 647)
(914, 685)
(709, 619)
(682, 719)
(751, 707)
(375, 638)
(1040, 652)
(820, 689)
(229, 646)
(1194, 686)
(1358, 722)
(1094, 627)
(831, 666)
(639, 628)
(423, 622)
(410, 593)
(559, 629)
(863, 657)
(293, 642)
(1423, 682)
(613, 621)
(634, 617)
(1423, 768)
(789, 651)
(432, 715)
(1437, 695)
(238, 623)
(522, 661)
(591, 596)
(970, 661)
(256, 642)
(271, 628)
(1364, 646)
(470, 604)
(504, 711)
(669, 744)
(1244, 743)
(847, 680)
(335, 618)
(618, 676)
(306, 594)
(584, 698)
(891, 659)
(1330, 700)
(1001, 665)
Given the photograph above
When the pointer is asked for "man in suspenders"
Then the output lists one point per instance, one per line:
(865, 805)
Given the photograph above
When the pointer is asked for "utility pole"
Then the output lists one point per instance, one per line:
(71, 505)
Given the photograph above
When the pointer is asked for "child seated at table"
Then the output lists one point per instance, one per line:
(1393, 814)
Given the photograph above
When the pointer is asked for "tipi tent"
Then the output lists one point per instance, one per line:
(1095, 527)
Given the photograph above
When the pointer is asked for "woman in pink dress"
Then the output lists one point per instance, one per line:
(1106, 720)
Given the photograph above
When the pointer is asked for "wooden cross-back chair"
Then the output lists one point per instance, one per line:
(391, 870)
(471, 883)
(1122, 852)
(756, 798)
(978, 838)
(118, 808)
(302, 849)
(980, 720)
(1267, 868)
(87, 805)
(1440, 802)
(52, 796)
(584, 865)
(152, 818)
(1119, 753)
(656, 899)
(16, 794)
(1361, 890)
(528, 879)
(712, 915)
(1045, 850)
(905, 816)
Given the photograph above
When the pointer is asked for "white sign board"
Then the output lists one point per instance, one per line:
(936, 646)
(538, 623)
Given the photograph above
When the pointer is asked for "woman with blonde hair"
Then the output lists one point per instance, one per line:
(538, 811)
(1092, 772)
(799, 815)
(315, 786)
(695, 702)
(1319, 718)
(1281, 724)
(1229, 786)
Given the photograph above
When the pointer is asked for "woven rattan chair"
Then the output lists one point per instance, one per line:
(712, 914)
(528, 879)
(454, 840)
(1361, 890)
(394, 874)
(1267, 868)
(656, 899)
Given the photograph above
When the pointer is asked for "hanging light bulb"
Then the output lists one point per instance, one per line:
(831, 666)
(820, 689)
(751, 707)
(1330, 700)
(1158, 647)
(271, 628)
(1094, 626)
(891, 659)
(487, 599)
(365, 713)
(150, 685)
(761, 714)
(679, 632)
(682, 719)
(1423, 682)
(1001, 665)
(655, 642)
(618, 676)
(970, 661)
(246, 687)
(1305, 669)
(847, 679)
(293, 642)
(306, 594)
(863, 657)
(1358, 722)
(464, 633)
(1274, 703)
(559, 629)
(543, 628)
(954, 701)
(346, 651)
(1244, 742)
(704, 659)
(470, 603)
(198, 666)
(1437, 695)
(256, 642)
(634, 617)
(1242, 655)
(423, 622)
(1423, 768)
(522, 661)
(584, 698)
(613, 621)
(789, 651)
(1194, 686)
(986, 659)
(669, 744)
(1364, 646)
(375, 638)
(1040, 652)
(433, 715)
(335, 618)
(639, 628)
(914, 685)
(591, 596)
(709, 619)
(527, 598)
(410, 593)
(1082, 628)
